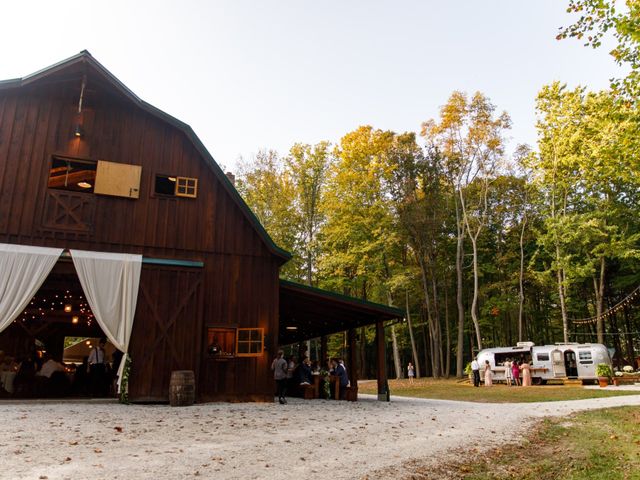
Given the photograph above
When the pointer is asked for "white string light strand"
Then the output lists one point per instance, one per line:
(617, 307)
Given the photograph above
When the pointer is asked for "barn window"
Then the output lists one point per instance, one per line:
(221, 342)
(176, 186)
(100, 177)
(72, 174)
(250, 342)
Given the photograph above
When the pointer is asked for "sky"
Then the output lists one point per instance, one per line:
(265, 74)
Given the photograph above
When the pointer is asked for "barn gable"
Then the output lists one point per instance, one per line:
(85, 65)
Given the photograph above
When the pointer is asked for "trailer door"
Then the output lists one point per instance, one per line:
(557, 358)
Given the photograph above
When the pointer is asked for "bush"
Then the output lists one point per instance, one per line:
(604, 370)
(467, 369)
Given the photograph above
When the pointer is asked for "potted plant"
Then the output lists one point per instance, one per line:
(604, 373)
(469, 372)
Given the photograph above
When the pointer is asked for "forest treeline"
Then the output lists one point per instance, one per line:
(480, 246)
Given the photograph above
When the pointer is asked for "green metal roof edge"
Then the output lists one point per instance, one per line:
(397, 312)
(85, 56)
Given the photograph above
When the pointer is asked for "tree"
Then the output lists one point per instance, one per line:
(470, 137)
(270, 193)
(307, 167)
(600, 17)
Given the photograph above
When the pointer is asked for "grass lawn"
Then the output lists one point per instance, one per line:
(600, 444)
(454, 389)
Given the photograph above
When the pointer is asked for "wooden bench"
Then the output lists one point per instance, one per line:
(627, 379)
(308, 392)
(351, 394)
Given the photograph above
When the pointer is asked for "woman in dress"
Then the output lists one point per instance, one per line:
(508, 374)
(488, 374)
(515, 371)
(411, 373)
(526, 374)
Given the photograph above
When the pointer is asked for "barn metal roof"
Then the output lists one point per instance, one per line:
(312, 312)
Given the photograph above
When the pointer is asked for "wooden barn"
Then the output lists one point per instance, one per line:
(115, 221)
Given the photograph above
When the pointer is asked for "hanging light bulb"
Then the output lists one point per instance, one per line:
(67, 308)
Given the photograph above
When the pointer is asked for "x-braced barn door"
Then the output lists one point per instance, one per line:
(166, 330)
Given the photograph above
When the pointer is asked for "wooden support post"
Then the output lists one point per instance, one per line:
(383, 387)
(352, 366)
(353, 359)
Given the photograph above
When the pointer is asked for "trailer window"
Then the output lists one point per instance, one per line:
(585, 358)
(543, 357)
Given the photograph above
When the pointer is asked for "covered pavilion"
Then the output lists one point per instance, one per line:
(308, 312)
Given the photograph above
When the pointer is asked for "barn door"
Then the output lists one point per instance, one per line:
(166, 331)
(557, 358)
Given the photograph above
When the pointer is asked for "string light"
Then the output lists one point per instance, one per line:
(609, 313)
(43, 305)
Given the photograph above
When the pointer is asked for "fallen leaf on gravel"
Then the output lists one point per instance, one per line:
(97, 450)
(43, 477)
(68, 459)
(118, 429)
(73, 443)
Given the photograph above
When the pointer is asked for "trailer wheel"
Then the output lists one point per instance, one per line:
(537, 381)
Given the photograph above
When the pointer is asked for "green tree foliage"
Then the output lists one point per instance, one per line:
(479, 248)
(597, 18)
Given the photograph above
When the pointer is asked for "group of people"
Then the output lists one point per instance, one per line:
(516, 372)
(47, 375)
(290, 376)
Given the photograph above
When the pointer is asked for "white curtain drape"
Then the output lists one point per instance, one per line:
(23, 269)
(110, 282)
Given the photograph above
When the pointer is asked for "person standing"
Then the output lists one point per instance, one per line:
(475, 368)
(411, 372)
(98, 370)
(280, 369)
(526, 374)
(515, 370)
(341, 372)
(508, 374)
(488, 374)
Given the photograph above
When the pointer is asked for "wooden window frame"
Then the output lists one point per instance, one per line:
(250, 342)
(223, 329)
(176, 193)
(77, 160)
(186, 187)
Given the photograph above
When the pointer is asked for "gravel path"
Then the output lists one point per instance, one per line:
(313, 439)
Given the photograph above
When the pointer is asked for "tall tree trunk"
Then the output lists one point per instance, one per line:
(396, 353)
(425, 336)
(474, 302)
(437, 323)
(394, 343)
(561, 294)
(447, 367)
(435, 356)
(414, 350)
(459, 304)
(598, 286)
(521, 282)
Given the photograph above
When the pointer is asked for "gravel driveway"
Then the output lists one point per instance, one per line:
(313, 439)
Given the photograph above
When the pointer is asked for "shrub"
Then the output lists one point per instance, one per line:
(604, 370)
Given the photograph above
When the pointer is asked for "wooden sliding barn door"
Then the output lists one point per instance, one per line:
(167, 330)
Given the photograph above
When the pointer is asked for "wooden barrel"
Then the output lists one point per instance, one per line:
(182, 388)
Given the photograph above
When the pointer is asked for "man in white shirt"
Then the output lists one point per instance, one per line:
(475, 368)
(98, 370)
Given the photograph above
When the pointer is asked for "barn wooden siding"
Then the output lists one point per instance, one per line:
(238, 285)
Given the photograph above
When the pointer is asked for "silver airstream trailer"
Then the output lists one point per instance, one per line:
(558, 361)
